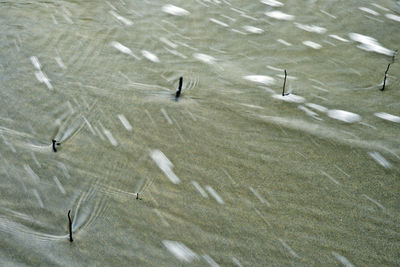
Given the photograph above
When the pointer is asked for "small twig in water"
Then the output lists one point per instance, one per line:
(284, 84)
(384, 79)
(70, 226)
(178, 92)
(137, 196)
(54, 145)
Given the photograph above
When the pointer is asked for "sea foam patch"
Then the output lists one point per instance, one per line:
(312, 44)
(279, 15)
(291, 98)
(174, 10)
(150, 56)
(165, 165)
(343, 115)
(393, 17)
(267, 80)
(310, 28)
(387, 116)
(370, 44)
(253, 29)
(204, 58)
(272, 3)
(180, 251)
(369, 11)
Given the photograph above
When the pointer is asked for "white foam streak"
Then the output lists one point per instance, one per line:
(331, 178)
(342, 259)
(150, 56)
(380, 159)
(237, 262)
(200, 189)
(42, 78)
(374, 201)
(262, 200)
(273, 3)
(369, 11)
(110, 137)
(120, 47)
(312, 44)
(35, 159)
(35, 192)
(284, 42)
(380, 7)
(180, 251)
(165, 165)
(34, 176)
(393, 17)
(164, 112)
(168, 42)
(267, 80)
(317, 107)
(35, 62)
(310, 28)
(204, 58)
(279, 15)
(174, 10)
(126, 21)
(334, 36)
(291, 251)
(253, 29)
(214, 194)
(210, 261)
(291, 98)
(60, 63)
(370, 44)
(125, 122)
(344, 116)
(59, 185)
(387, 116)
(223, 24)
(64, 169)
(308, 111)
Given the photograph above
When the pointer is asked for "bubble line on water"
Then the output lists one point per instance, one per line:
(210, 260)
(342, 259)
(214, 194)
(380, 159)
(288, 248)
(200, 189)
(59, 185)
(163, 220)
(167, 118)
(262, 200)
(262, 216)
(330, 177)
(39, 199)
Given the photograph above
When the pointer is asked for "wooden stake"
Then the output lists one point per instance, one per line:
(284, 84)
(70, 226)
(178, 92)
(384, 79)
(54, 145)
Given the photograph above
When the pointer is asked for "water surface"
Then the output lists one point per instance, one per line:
(231, 174)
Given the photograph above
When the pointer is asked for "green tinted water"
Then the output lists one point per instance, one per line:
(232, 173)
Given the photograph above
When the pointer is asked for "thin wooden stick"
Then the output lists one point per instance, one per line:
(284, 84)
(178, 92)
(384, 79)
(54, 145)
(70, 227)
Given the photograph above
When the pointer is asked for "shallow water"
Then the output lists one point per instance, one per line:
(231, 174)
